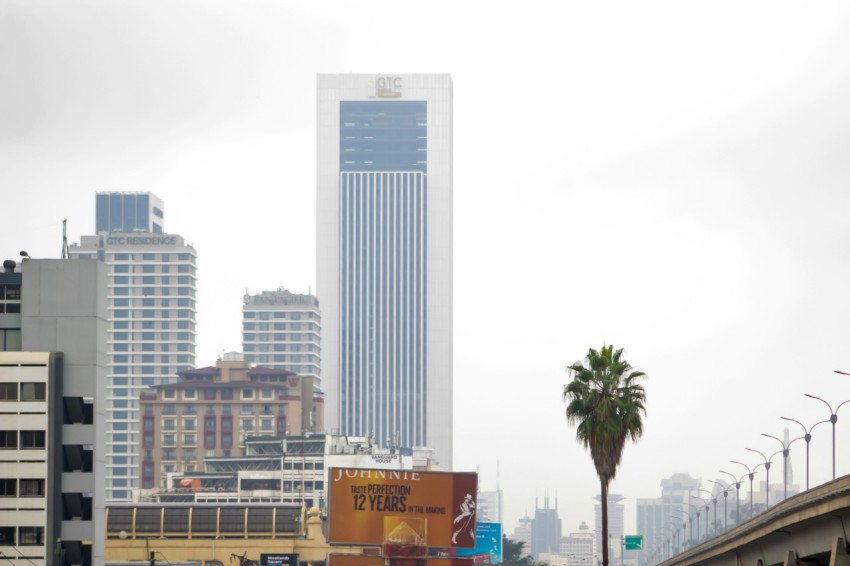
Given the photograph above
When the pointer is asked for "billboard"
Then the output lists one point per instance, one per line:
(360, 499)
(488, 542)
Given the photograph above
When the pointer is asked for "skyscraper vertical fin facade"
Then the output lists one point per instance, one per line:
(384, 278)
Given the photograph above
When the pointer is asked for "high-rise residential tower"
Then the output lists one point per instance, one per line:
(384, 257)
(282, 330)
(151, 323)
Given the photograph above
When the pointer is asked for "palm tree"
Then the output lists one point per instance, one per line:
(605, 403)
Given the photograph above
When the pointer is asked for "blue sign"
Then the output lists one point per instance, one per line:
(488, 540)
(278, 560)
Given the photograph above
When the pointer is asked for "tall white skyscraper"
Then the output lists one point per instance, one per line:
(384, 265)
(150, 319)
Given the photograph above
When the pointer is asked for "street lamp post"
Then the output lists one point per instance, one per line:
(684, 524)
(706, 510)
(786, 449)
(705, 502)
(692, 506)
(833, 418)
(737, 483)
(807, 436)
(725, 509)
(766, 465)
(751, 474)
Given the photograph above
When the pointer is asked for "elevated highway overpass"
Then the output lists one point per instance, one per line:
(809, 529)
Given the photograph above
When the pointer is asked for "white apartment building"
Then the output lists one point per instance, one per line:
(151, 319)
(283, 330)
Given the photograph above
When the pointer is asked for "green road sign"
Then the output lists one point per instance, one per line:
(634, 542)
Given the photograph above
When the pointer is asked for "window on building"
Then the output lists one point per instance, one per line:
(168, 424)
(167, 440)
(30, 536)
(8, 439)
(168, 394)
(8, 487)
(190, 394)
(189, 439)
(32, 487)
(8, 391)
(10, 340)
(189, 424)
(247, 394)
(36, 391)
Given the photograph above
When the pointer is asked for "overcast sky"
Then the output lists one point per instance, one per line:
(670, 177)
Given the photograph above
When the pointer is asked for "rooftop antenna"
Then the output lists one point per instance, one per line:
(65, 239)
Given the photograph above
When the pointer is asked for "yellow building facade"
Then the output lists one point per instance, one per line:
(216, 535)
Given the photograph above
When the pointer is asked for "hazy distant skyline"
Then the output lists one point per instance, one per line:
(669, 178)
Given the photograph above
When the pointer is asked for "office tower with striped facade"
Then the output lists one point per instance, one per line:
(384, 257)
(150, 317)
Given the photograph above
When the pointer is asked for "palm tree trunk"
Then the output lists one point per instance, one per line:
(604, 522)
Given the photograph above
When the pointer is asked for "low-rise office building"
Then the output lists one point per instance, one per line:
(210, 412)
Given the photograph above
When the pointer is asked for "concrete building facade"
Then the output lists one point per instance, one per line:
(578, 547)
(52, 414)
(384, 263)
(151, 313)
(211, 411)
(283, 330)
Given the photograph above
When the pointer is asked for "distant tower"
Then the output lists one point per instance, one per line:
(522, 533)
(282, 330)
(577, 547)
(546, 529)
(384, 257)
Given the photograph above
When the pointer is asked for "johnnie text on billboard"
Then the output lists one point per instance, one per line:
(375, 474)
